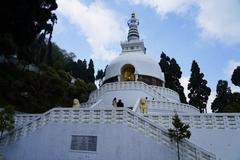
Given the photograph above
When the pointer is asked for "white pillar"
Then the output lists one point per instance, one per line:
(119, 78)
(136, 77)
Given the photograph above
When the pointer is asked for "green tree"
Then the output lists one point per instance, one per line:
(23, 21)
(100, 74)
(223, 97)
(236, 76)
(233, 107)
(90, 72)
(179, 132)
(6, 119)
(172, 73)
(199, 92)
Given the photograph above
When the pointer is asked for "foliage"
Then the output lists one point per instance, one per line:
(172, 73)
(233, 107)
(35, 92)
(90, 72)
(234, 104)
(223, 97)
(24, 21)
(100, 74)
(179, 132)
(6, 119)
(236, 76)
(199, 92)
(25, 42)
(81, 70)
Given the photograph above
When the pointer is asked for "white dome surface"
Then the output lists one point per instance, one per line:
(143, 64)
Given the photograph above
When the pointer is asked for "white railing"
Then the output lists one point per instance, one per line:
(87, 104)
(97, 104)
(21, 119)
(113, 116)
(167, 92)
(159, 106)
(136, 105)
(199, 121)
(127, 85)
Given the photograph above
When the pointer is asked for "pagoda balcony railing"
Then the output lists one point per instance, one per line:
(159, 93)
(123, 116)
(21, 119)
(167, 92)
(161, 106)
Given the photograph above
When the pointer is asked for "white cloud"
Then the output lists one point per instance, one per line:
(99, 24)
(163, 7)
(232, 64)
(217, 19)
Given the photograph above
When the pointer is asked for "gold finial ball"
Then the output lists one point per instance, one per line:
(76, 103)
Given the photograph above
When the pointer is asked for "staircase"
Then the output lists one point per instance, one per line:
(112, 116)
(130, 85)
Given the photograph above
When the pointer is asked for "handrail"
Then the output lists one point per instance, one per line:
(171, 106)
(199, 120)
(132, 119)
(167, 91)
(136, 105)
(86, 104)
(185, 143)
(137, 85)
(20, 119)
(96, 104)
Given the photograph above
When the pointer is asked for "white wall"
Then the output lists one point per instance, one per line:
(224, 143)
(114, 141)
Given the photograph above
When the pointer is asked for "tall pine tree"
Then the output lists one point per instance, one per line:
(90, 72)
(223, 97)
(172, 73)
(100, 74)
(199, 92)
(236, 76)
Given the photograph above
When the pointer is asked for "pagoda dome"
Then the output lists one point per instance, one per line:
(141, 63)
(133, 64)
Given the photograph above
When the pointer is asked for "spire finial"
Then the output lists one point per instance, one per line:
(133, 30)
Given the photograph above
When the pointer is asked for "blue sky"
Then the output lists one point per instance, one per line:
(207, 31)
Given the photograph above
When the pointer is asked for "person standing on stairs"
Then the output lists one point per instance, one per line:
(114, 102)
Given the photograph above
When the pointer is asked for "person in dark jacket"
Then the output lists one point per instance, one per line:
(120, 103)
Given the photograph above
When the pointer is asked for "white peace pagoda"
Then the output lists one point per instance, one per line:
(97, 130)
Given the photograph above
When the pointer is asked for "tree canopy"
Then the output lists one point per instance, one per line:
(36, 74)
(199, 92)
(236, 76)
(172, 73)
(223, 96)
(100, 74)
(23, 22)
(6, 119)
(49, 86)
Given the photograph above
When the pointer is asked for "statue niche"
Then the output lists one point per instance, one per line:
(127, 73)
